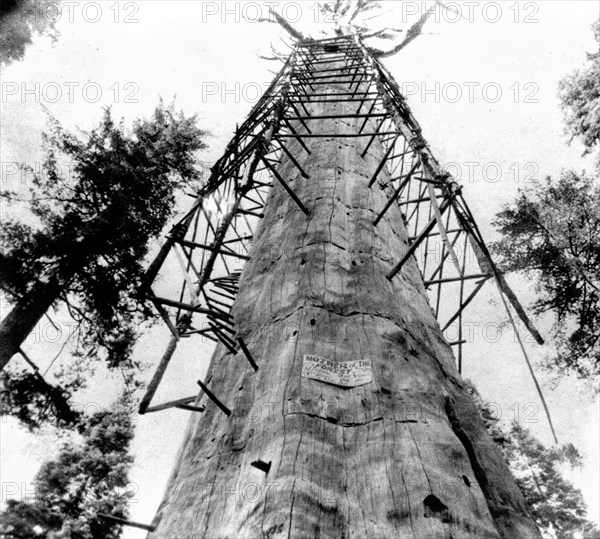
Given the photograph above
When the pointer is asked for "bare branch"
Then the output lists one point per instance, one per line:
(286, 25)
(275, 54)
(268, 59)
(414, 31)
(64, 344)
(384, 33)
(29, 361)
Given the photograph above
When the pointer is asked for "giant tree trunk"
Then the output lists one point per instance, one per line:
(405, 455)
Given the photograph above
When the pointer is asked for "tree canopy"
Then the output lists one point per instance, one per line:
(27, 396)
(550, 233)
(580, 97)
(93, 228)
(89, 477)
(21, 20)
(556, 505)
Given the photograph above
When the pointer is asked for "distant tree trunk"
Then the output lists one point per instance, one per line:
(23, 317)
(403, 456)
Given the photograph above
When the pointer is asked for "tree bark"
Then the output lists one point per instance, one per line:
(405, 455)
(23, 317)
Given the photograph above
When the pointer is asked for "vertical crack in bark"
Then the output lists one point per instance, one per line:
(362, 455)
(373, 505)
(478, 471)
(420, 458)
(345, 474)
(211, 497)
(389, 478)
(293, 496)
(407, 500)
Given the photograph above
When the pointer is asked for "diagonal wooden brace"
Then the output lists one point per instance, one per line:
(418, 241)
(384, 160)
(247, 353)
(402, 185)
(442, 228)
(212, 397)
(285, 185)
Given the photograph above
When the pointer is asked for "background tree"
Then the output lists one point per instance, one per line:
(556, 505)
(88, 477)
(91, 233)
(21, 20)
(550, 233)
(580, 97)
(27, 396)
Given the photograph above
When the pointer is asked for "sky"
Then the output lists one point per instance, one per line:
(482, 86)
